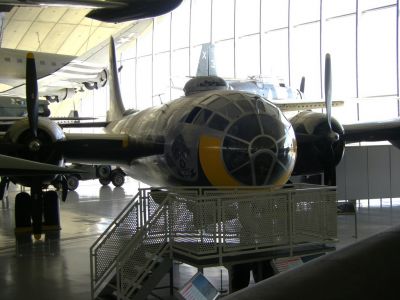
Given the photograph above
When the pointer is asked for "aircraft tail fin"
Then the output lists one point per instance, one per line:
(116, 109)
(207, 66)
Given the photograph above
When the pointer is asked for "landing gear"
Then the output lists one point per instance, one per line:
(37, 213)
(72, 182)
(23, 210)
(117, 177)
(104, 181)
(51, 210)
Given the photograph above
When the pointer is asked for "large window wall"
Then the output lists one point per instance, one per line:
(287, 39)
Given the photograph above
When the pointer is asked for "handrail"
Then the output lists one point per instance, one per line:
(141, 245)
(98, 279)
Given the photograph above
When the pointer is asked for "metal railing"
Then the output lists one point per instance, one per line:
(205, 223)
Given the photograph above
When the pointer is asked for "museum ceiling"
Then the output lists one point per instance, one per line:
(54, 29)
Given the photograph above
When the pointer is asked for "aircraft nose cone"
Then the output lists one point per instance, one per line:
(263, 143)
(259, 149)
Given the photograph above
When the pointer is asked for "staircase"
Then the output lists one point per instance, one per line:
(132, 255)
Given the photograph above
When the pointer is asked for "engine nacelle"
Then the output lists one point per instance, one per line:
(40, 148)
(99, 82)
(60, 95)
(315, 153)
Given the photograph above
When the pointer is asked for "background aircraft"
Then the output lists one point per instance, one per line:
(16, 107)
(273, 89)
(60, 76)
(105, 10)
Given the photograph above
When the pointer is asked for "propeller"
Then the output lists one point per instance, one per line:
(32, 101)
(323, 137)
(330, 167)
(64, 190)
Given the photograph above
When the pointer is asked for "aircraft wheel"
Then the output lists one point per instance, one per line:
(262, 270)
(72, 182)
(117, 178)
(103, 171)
(240, 276)
(51, 210)
(104, 181)
(23, 210)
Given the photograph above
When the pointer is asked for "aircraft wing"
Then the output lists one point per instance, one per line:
(105, 10)
(290, 105)
(107, 148)
(12, 166)
(61, 76)
(372, 131)
(63, 122)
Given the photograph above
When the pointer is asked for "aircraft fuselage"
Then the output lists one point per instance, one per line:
(224, 138)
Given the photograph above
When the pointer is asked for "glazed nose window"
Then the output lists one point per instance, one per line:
(258, 149)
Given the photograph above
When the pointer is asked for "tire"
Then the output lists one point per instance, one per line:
(103, 171)
(117, 178)
(23, 210)
(72, 182)
(51, 210)
(104, 181)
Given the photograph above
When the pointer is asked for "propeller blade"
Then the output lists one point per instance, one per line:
(330, 169)
(37, 208)
(302, 84)
(328, 88)
(64, 190)
(32, 94)
(3, 186)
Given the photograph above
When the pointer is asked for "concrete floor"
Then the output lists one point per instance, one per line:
(57, 267)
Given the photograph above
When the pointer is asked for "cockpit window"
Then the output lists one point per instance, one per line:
(271, 126)
(231, 111)
(259, 104)
(203, 117)
(218, 123)
(225, 107)
(209, 99)
(192, 114)
(245, 105)
(246, 128)
(217, 104)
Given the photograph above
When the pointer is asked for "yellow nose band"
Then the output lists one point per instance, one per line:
(210, 152)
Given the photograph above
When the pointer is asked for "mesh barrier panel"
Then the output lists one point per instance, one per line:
(253, 221)
(193, 224)
(310, 216)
